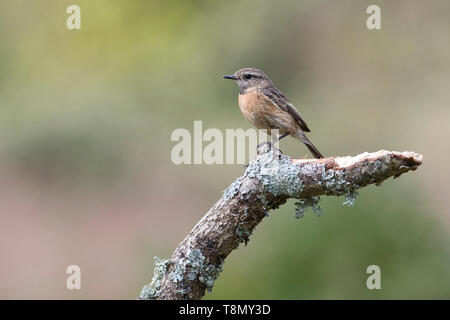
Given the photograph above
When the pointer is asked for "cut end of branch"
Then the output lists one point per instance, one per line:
(411, 159)
(398, 162)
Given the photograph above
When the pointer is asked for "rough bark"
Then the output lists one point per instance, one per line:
(268, 182)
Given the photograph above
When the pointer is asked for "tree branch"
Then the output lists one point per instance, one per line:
(268, 182)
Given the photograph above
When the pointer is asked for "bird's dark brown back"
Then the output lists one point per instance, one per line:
(283, 103)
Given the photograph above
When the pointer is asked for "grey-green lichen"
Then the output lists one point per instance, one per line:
(232, 190)
(177, 274)
(209, 274)
(350, 198)
(304, 204)
(336, 183)
(279, 176)
(193, 267)
(195, 262)
(152, 290)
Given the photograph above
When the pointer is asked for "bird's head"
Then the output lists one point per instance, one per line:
(249, 78)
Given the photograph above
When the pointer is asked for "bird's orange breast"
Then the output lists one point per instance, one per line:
(262, 113)
(254, 106)
(250, 102)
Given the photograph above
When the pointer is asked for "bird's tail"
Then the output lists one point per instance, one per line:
(299, 134)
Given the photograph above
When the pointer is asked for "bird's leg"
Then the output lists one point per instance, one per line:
(282, 136)
(276, 139)
(262, 143)
(273, 142)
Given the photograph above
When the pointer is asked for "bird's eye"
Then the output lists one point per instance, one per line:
(248, 76)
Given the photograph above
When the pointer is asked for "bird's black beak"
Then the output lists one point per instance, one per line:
(232, 77)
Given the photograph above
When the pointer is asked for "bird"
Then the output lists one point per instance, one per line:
(267, 108)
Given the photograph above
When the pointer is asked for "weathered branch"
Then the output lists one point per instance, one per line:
(268, 182)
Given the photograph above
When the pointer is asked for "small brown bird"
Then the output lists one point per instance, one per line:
(266, 107)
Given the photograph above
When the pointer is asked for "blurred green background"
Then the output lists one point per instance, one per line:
(86, 118)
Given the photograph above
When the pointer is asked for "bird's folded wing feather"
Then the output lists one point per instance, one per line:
(281, 102)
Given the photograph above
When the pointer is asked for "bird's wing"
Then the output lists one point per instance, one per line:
(281, 102)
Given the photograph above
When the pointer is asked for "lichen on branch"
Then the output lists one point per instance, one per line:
(270, 179)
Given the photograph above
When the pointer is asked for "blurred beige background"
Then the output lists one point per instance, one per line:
(86, 118)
